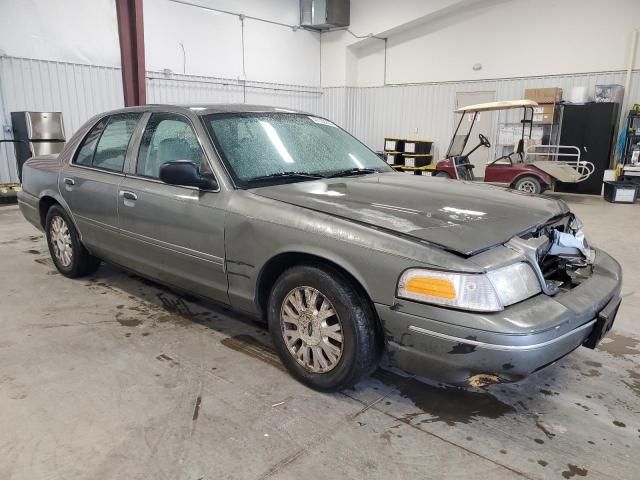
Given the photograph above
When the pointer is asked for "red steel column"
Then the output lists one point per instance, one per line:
(131, 34)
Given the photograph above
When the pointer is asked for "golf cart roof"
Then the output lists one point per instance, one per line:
(506, 105)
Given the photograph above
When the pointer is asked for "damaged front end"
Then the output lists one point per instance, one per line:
(559, 253)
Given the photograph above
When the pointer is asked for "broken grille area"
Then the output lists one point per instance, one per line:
(563, 271)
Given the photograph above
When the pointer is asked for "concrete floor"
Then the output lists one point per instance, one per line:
(115, 377)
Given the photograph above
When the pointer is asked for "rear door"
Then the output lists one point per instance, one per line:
(89, 183)
(168, 232)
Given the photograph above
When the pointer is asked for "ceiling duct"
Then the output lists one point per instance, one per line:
(324, 14)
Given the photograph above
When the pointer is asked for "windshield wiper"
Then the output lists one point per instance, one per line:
(353, 171)
(300, 175)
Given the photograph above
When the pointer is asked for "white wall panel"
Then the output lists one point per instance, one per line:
(81, 91)
(306, 99)
(335, 106)
(190, 89)
(426, 110)
(441, 40)
(78, 91)
(370, 113)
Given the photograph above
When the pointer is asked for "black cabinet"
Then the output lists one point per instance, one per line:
(590, 127)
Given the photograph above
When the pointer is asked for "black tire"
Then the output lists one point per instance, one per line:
(442, 175)
(81, 262)
(361, 345)
(528, 184)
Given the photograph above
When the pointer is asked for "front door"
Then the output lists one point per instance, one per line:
(172, 233)
(89, 183)
(484, 124)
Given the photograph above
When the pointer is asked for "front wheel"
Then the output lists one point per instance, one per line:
(324, 332)
(528, 184)
(67, 252)
(442, 175)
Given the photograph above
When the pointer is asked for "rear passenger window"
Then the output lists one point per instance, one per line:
(167, 137)
(106, 145)
(86, 151)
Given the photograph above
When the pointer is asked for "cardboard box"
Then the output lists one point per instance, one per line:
(543, 95)
(543, 114)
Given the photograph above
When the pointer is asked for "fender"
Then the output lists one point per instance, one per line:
(543, 177)
(63, 203)
(319, 252)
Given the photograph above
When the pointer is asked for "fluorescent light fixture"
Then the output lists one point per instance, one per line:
(276, 141)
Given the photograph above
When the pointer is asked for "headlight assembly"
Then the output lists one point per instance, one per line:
(489, 292)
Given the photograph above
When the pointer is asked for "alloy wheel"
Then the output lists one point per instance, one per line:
(61, 241)
(311, 329)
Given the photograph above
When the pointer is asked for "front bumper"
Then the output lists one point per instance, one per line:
(444, 345)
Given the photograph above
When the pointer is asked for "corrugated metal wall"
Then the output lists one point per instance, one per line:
(426, 110)
(79, 91)
(186, 89)
(370, 113)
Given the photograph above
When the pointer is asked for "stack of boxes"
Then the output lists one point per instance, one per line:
(417, 153)
(403, 154)
(547, 98)
(393, 148)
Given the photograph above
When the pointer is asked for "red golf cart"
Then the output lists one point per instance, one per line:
(529, 167)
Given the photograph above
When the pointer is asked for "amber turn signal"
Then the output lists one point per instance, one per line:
(433, 287)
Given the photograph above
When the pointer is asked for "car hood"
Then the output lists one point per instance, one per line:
(463, 217)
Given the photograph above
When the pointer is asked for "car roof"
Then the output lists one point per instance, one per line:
(206, 109)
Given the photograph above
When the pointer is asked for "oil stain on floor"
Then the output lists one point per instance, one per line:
(620, 345)
(443, 403)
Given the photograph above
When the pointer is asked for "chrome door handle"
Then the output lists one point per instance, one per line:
(128, 195)
(69, 181)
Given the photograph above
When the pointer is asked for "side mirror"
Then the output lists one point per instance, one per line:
(186, 174)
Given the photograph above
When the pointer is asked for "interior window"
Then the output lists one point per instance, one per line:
(111, 149)
(86, 151)
(167, 137)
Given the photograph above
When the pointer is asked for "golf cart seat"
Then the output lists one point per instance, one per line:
(518, 151)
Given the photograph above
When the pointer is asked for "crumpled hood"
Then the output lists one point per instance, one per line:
(464, 217)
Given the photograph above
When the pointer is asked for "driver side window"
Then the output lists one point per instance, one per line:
(167, 137)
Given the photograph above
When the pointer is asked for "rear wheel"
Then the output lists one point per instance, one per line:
(323, 330)
(67, 252)
(528, 184)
